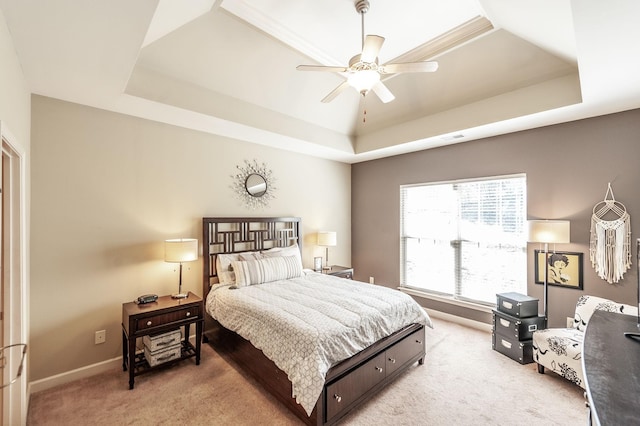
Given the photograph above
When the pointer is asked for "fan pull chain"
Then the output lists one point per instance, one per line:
(364, 108)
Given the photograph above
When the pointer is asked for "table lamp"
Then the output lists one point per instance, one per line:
(178, 251)
(327, 239)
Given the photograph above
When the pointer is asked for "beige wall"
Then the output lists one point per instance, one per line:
(15, 96)
(15, 128)
(568, 167)
(109, 188)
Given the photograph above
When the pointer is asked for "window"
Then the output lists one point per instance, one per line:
(466, 239)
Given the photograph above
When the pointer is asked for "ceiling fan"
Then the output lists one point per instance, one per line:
(363, 72)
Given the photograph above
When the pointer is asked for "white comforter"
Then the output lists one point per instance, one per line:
(306, 325)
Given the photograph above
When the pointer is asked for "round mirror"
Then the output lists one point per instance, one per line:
(256, 185)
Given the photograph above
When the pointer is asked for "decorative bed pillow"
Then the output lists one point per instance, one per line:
(253, 255)
(223, 265)
(292, 250)
(265, 270)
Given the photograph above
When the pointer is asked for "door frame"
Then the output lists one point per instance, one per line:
(15, 271)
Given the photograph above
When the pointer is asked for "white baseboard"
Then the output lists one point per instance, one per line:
(70, 376)
(79, 373)
(459, 320)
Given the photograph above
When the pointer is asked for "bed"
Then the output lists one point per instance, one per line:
(321, 345)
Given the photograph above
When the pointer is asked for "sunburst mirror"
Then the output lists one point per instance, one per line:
(254, 184)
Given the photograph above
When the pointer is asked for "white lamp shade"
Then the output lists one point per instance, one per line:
(549, 231)
(327, 238)
(181, 250)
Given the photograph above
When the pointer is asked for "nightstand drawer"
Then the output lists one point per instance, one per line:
(347, 274)
(175, 316)
(340, 272)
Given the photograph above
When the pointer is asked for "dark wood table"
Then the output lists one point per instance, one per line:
(611, 363)
(163, 315)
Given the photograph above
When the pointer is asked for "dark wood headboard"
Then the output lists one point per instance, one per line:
(238, 234)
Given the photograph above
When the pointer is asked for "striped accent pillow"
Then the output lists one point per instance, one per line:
(265, 270)
(292, 250)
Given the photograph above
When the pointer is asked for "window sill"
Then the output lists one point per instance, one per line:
(448, 299)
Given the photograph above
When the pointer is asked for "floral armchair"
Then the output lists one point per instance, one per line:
(560, 349)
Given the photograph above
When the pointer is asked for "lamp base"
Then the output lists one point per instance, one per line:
(179, 296)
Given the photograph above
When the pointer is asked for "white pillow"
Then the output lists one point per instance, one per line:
(224, 268)
(292, 250)
(265, 270)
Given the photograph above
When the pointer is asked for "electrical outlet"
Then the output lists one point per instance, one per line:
(371, 280)
(569, 322)
(101, 336)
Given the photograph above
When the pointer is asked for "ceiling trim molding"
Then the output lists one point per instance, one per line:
(250, 14)
(455, 37)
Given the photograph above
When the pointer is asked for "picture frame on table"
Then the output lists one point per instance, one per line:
(317, 264)
(564, 269)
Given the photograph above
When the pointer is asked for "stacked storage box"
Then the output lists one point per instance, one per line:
(162, 347)
(514, 322)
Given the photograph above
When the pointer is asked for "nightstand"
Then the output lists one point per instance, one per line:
(340, 271)
(158, 317)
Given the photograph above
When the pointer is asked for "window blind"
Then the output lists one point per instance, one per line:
(465, 238)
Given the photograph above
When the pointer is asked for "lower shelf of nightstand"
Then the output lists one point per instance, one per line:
(141, 365)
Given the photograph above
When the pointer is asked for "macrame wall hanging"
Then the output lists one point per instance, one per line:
(610, 242)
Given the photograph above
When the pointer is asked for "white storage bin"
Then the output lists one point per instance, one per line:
(162, 355)
(162, 341)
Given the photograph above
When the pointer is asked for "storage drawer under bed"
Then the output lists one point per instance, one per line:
(404, 351)
(345, 391)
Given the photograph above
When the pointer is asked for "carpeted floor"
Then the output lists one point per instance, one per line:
(463, 382)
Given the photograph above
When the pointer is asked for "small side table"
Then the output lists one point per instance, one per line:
(157, 317)
(340, 271)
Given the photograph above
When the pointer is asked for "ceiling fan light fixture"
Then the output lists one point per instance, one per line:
(363, 80)
(363, 72)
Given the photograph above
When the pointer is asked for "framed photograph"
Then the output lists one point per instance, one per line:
(564, 269)
(317, 264)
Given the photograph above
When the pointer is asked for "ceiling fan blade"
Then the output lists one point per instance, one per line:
(383, 92)
(427, 66)
(335, 92)
(371, 48)
(320, 68)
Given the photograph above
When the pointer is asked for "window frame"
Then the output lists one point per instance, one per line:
(456, 296)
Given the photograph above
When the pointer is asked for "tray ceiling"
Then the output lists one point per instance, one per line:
(228, 67)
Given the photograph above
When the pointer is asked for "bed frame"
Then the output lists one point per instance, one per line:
(349, 383)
